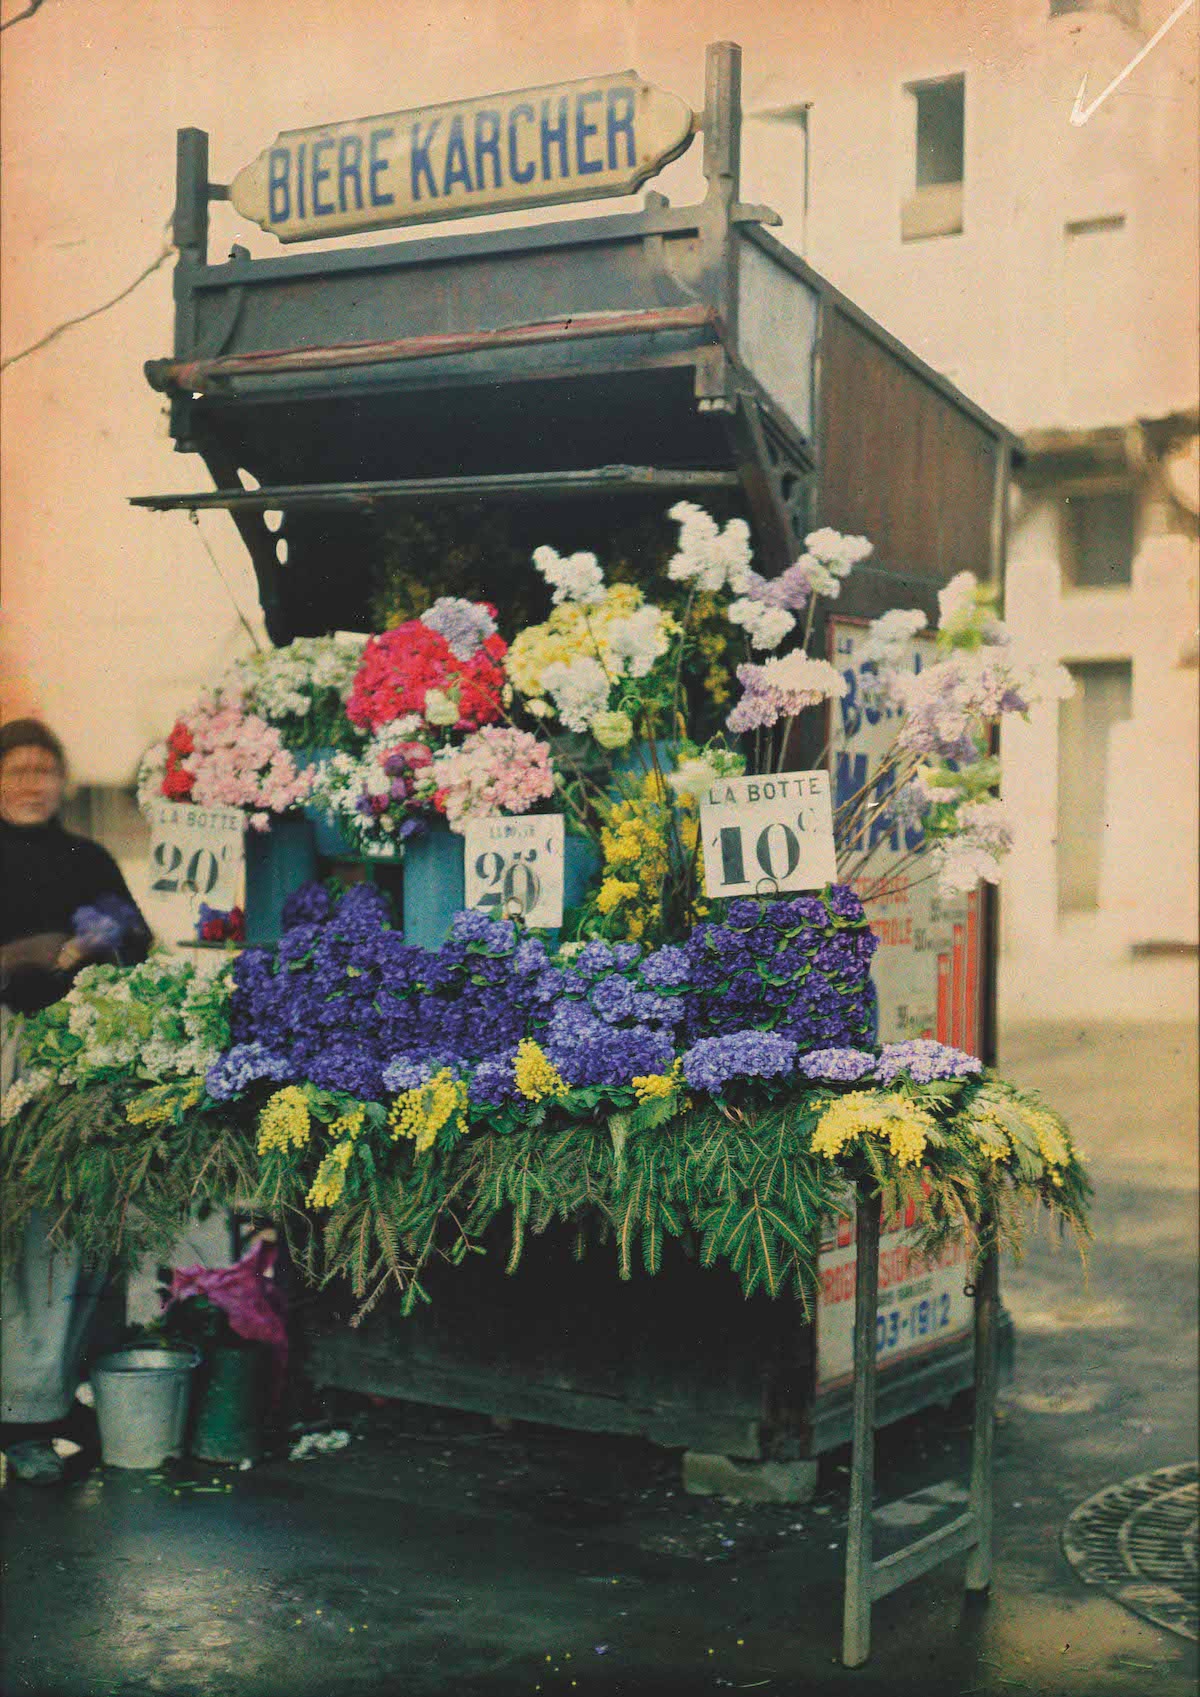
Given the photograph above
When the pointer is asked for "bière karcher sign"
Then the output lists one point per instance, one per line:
(536, 147)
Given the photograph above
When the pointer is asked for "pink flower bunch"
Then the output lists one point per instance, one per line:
(497, 770)
(237, 760)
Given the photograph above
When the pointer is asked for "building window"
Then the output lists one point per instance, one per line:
(1126, 10)
(935, 206)
(1098, 539)
(1102, 699)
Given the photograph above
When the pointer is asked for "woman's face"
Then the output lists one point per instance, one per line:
(31, 786)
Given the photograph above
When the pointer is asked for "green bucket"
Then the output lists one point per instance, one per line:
(230, 1403)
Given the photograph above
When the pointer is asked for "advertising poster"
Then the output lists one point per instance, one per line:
(928, 973)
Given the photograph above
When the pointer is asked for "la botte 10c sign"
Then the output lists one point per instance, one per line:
(535, 147)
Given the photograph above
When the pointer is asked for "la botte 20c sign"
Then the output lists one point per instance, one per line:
(535, 147)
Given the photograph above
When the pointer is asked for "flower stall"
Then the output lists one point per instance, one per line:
(555, 1048)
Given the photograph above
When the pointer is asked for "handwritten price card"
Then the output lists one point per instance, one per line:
(514, 868)
(767, 834)
(196, 854)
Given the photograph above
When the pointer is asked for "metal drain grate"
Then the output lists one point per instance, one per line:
(1138, 1541)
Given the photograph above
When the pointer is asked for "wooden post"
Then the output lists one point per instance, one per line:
(856, 1616)
(722, 171)
(987, 1288)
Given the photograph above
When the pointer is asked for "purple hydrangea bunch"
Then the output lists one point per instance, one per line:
(345, 1002)
(837, 1066)
(715, 1062)
(922, 1060)
(797, 965)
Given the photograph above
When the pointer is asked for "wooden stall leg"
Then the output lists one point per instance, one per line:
(987, 1290)
(856, 1614)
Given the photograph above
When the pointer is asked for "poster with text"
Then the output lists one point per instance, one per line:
(928, 968)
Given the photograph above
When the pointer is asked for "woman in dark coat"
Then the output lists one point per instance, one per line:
(63, 904)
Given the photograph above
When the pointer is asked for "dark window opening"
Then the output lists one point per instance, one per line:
(1099, 539)
(1126, 10)
(939, 132)
(1102, 699)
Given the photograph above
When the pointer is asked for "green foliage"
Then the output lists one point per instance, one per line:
(738, 1186)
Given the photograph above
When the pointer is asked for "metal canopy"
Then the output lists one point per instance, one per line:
(527, 486)
(621, 358)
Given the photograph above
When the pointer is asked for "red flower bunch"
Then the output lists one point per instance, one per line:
(214, 926)
(178, 778)
(401, 666)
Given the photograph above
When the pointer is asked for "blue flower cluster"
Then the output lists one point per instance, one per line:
(837, 1066)
(714, 1062)
(923, 1060)
(346, 1003)
(798, 966)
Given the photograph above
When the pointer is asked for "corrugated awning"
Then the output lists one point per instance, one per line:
(172, 376)
(531, 485)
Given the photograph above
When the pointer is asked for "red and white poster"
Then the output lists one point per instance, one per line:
(923, 1305)
(928, 974)
(928, 968)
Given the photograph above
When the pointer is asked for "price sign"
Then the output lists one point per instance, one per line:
(196, 854)
(514, 868)
(766, 834)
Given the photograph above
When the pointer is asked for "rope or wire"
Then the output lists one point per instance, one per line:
(246, 625)
(33, 6)
(53, 335)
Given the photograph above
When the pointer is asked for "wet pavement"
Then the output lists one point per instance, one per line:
(439, 1553)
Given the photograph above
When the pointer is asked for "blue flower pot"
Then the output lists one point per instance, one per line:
(278, 861)
(635, 761)
(327, 833)
(433, 879)
(581, 864)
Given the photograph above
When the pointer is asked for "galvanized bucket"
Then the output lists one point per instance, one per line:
(142, 1404)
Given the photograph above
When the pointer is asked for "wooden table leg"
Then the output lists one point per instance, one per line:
(987, 1290)
(856, 1614)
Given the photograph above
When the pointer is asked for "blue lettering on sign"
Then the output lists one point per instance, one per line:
(519, 173)
(851, 710)
(321, 174)
(487, 146)
(279, 197)
(850, 776)
(583, 164)
(420, 158)
(555, 134)
(350, 171)
(376, 168)
(884, 822)
(458, 169)
(300, 209)
(620, 115)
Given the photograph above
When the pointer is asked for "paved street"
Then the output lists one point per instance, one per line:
(439, 1554)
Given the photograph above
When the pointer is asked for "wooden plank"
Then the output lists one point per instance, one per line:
(987, 1290)
(856, 1612)
(919, 1557)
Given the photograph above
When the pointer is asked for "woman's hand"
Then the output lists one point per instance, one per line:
(43, 951)
(72, 955)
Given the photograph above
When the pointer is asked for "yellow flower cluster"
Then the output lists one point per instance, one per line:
(991, 1134)
(573, 630)
(421, 1113)
(712, 643)
(1051, 1140)
(162, 1105)
(536, 1076)
(905, 1128)
(284, 1122)
(349, 1124)
(648, 1087)
(330, 1181)
(636, 862)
